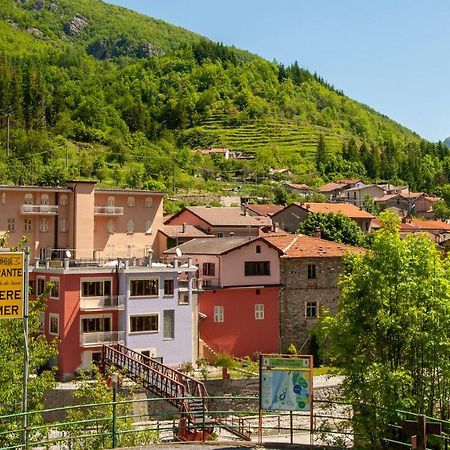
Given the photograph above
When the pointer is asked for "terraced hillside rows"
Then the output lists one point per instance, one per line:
(274, 133)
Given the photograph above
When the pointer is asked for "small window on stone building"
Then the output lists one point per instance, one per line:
(258, 249)
(131, 202)
(311, 310)
(63, 200)
(218, 314)
(28, 200)
(259, 311)
(311, 271)
(148, 202)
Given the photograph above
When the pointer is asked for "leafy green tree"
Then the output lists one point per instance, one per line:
(390, 338)
(11, 369)
(96, 434)
(321, 154)
(333, 227)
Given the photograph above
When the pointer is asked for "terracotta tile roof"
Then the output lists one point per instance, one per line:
(385, 198)
(349, 180)
(189, 231)
(329, 187)
(436, 225)
(301, 246)
(264, 210)
(225, 217)
(299, 186)
(210, 246)
(433, 199)
(345, 209)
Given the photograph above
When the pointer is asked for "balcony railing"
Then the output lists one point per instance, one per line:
(208, 283)
(39, 210)
(108, 210)
(102, 302)
(102, 337)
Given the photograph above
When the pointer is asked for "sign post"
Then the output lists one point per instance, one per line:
(286, 383)
(14, 305)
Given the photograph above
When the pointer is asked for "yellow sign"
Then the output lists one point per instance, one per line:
(11, 285)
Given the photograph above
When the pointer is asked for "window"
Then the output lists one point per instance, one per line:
(131, 202)
(43, 225)
(3, 198)
(27, 224)
(209, 269)
(111, 201)
(148, 202)
(42, 321)
(169, 324)
(148, 323)
(96, 288)
(218, 314)
(258, 249)
(131, 251)
(11, 224)
(257, 268)
(311, 271)
(63, 200)
(143, 288)
(54, 292)
(168, 287)
(130, 226)
(259, 311)
(53, 324)
(63, 225)
(45, 200)
(220, 234)
(40, 288)
(95, 324)
(110, 226)
(183, 298)
(28, 199)
(148, 227)
(311, 310)
(258, 292)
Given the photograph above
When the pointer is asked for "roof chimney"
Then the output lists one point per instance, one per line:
(317, 233)
(183, 230)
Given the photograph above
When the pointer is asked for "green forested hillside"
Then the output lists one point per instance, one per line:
(93, 90)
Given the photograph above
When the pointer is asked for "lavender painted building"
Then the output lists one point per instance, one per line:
(160, 318)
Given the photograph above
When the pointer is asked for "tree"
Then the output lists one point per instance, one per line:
(322, 154)
(333, 227)
(391, 335)
(11, 369)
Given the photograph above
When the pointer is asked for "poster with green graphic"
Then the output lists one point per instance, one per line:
(285, 383)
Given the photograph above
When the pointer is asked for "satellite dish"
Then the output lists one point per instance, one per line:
(68, 254)
(178, 252)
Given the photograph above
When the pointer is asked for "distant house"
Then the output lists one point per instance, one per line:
(225, 152)
(267, 210)
(221, 222)
(356, 195)
(292, 215)
(332, 191)
(301, 189)
(309, 270)
(415, 203)
(282, 173)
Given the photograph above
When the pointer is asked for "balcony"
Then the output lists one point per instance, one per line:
(116, 302)
(38, 210)
(108, 210)
(208, 283)
(102, 337)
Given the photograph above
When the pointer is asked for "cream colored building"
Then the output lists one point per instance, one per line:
(89, 223)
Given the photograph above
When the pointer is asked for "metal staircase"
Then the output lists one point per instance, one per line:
(187, 394)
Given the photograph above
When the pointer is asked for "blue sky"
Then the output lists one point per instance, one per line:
(393, 55)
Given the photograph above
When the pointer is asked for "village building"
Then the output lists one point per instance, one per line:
(292, 215)
(266, 210)
(309, 271)
(238, 294)
(300, 189)
(221, 222)
(357, 195)
(88, 222)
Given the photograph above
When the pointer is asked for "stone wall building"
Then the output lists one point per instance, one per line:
(309, 272)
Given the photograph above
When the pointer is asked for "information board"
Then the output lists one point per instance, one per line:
(11, 285)
(285, 382)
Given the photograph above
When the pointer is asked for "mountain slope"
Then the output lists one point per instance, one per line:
(94, 90)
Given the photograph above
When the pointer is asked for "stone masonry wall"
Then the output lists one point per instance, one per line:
(296, 290)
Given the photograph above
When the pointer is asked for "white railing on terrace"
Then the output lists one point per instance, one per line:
(102, 337)
(108, 210)
(39, 209)
(102, 302)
